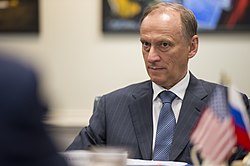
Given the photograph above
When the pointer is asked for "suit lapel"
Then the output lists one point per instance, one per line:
(141, 115)
(189, 114)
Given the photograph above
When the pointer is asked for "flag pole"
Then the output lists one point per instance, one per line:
(206, 162)
(194, 156)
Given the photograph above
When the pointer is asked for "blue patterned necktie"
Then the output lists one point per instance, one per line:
(165, 127)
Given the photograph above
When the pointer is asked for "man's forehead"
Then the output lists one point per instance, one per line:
(162, 17)
(164, 13)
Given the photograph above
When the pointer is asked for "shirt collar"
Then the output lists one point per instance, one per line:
(179, 89)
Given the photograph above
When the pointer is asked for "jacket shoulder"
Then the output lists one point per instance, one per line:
(132, 89)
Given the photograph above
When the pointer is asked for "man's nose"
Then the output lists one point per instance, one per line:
(153, 54)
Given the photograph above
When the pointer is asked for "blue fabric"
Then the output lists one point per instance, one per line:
(165, 127)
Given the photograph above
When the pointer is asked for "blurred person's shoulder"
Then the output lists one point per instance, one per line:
(10, 62)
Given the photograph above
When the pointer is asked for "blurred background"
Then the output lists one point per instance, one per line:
(77, 61)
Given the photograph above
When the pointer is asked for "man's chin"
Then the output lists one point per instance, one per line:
(157, 81)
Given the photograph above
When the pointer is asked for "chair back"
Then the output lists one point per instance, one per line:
(96, 102)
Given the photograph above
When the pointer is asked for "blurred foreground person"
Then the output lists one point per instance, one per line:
(23, 139)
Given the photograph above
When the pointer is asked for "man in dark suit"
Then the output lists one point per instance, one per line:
(128, 117)
(23, 139)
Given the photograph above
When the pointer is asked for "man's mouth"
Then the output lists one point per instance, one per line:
(155, 68)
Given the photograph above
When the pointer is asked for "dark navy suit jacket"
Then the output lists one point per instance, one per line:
(23, 139)
(124, 118)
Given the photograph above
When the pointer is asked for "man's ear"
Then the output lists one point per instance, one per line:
(193, 46)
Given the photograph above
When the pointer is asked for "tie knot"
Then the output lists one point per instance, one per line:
(167, 96)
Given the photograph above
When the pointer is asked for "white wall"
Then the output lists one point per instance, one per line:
(77, 62)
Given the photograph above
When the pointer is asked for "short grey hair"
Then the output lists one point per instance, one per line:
(188, 19)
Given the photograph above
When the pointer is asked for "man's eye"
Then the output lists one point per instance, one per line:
(145, 44)
(164, 44)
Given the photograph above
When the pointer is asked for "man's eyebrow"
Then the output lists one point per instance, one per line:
(142, 40)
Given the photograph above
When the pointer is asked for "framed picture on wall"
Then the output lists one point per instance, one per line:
(212, 15)
(17, 16)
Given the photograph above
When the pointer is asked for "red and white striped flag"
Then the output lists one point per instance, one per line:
(214, 136)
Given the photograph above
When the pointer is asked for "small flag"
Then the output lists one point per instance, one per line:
(240, 118)
(214, 136)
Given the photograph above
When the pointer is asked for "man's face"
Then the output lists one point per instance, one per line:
(165, 50)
